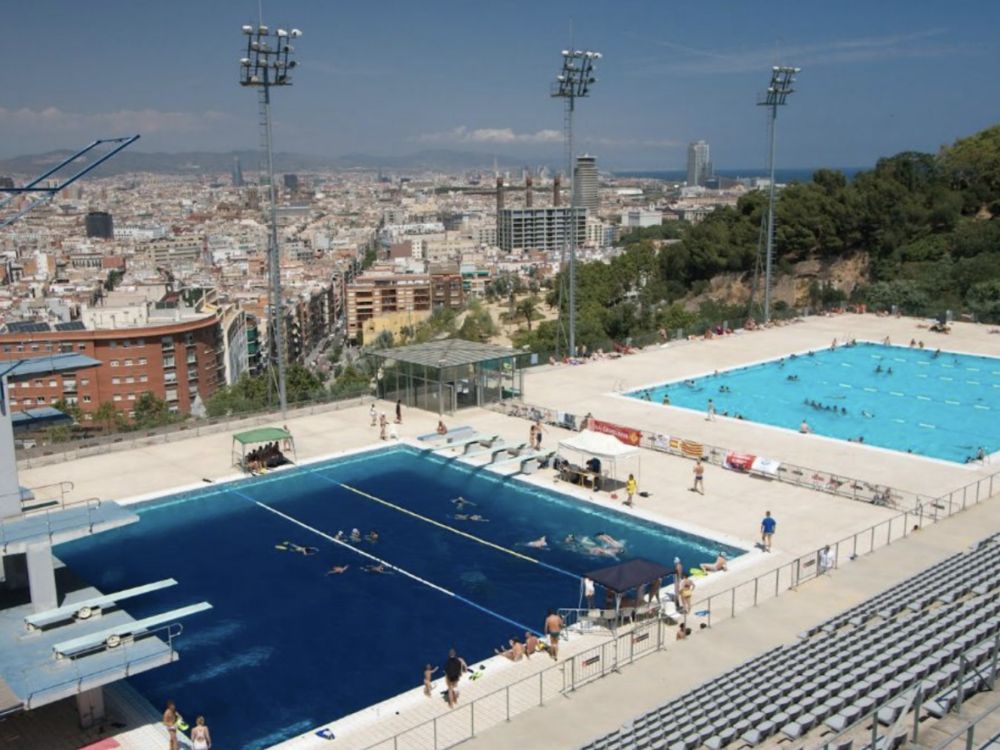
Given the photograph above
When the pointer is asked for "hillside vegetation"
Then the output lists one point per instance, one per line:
(926, 226)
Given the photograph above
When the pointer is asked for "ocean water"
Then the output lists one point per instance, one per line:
(287, 647)
(938, 404)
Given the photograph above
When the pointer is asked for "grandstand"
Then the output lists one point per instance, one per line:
(909, 655)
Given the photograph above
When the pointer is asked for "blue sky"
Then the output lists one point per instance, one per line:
(393, 77)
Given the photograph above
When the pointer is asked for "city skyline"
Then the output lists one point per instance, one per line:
(399, 79)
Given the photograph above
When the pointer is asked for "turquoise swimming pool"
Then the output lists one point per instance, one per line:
(926, 401)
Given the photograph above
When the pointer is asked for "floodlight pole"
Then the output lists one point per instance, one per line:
(782, 78)
(574, 81)
(267, 63)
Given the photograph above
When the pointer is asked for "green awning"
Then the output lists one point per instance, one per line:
(262, 435)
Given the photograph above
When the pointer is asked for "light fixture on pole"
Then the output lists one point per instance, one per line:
(573, 83)
(268, 63)
(782, 78)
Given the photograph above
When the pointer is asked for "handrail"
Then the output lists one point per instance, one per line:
(170, 631)
(968, 730)
(91, 504)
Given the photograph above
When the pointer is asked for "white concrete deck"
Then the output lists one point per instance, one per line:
(731, 508)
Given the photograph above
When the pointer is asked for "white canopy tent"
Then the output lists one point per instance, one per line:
(617, 459)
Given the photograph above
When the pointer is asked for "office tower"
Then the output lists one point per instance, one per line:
(529, 191)
(699, 163)
(237, 173)
(499, 195)
(557, 191)
(545, 228)
(291, 183)
(99, 224)
(585, 183)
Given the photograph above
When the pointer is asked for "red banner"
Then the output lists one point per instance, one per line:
(627, 435)
(739, 461)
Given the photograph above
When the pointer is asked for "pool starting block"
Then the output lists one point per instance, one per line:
(123, 633)
(87, 608)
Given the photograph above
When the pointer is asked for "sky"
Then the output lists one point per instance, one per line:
(395, 77)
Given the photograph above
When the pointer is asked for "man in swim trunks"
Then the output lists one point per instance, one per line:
(540, 543)
(454, 668)
(699, 477)
(514, 653)
(337, 570)
(170, 722)
(609, 541)
(553, 627)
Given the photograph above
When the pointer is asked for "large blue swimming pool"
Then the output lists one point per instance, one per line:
(286, 647)
(924, 401)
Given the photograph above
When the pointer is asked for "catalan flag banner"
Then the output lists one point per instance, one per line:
(692, 449)
(627, 435)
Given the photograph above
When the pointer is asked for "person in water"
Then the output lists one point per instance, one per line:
(540, 543)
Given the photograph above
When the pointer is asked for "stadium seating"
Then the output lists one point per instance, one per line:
(934, 632)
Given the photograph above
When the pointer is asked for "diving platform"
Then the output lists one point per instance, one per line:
(512, 449)
(96, 651)
(53, 527)
(454, 434)
(118, 635)
(92, 607)
(494, 446)
(539, 456)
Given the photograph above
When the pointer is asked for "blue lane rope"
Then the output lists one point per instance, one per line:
(380, 561)
(446, 527)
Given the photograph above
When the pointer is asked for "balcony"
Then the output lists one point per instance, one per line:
(69, 386)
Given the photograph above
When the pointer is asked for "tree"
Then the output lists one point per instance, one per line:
(150, 411)
(109, 417)
(984, 300)
(527, 308)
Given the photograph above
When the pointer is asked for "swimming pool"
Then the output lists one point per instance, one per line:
(938, 404)
(287, 647)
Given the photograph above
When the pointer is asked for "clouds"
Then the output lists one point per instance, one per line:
(918, 44)
(102, 124)
(463, 134)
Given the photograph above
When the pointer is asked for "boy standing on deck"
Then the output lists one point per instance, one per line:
(428, 671)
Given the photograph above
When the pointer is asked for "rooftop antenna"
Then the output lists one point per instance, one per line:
(268, 63)
(780, 88)
(572, 83)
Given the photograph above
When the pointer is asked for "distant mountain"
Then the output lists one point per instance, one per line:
(206, 162)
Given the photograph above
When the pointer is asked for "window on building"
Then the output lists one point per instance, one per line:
(81, 347)
(168, 361)
(40, 400)
(6, 347)
(140, 342)
(114, 363)
(13, 402)
(189, 339)
(130, 379)
(125, 343)
(34, 347)
(128, 362)
(53, 384)
(117, 397)
(38, 384)
(131, 397)
(86, 399)
(144, 378)
(20, 347)
(116, 381)
(88, 417)
(142, 361)
(114, 344)
(85, 381)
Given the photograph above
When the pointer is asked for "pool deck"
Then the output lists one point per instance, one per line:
(729, 511)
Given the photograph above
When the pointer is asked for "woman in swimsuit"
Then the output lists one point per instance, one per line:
(200, 737)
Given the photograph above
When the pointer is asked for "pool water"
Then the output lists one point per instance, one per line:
(933, 403)
(286, 647)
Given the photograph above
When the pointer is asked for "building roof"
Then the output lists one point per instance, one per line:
(262, 435)
(19, 368)
(45, 416)
(447, 353)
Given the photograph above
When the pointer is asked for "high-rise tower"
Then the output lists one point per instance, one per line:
(585, 183)
(699, 163)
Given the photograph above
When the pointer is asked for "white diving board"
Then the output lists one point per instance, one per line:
(512, 449)
(113, 637)
(463, 443)
(87, 608)
(491, 449)
(540, 455)
(458, 432)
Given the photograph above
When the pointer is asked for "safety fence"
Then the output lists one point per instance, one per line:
(645, 637)
(800, 476)
(467, 720)
(117, 441)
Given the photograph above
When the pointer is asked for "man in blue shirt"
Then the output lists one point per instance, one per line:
(767, 530)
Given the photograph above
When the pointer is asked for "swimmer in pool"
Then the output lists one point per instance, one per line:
(474, 517)
(337, 570)
(609, 541)
(378, 569)
(540, 543)
(867, 414)
(355, 535)
(460, 502)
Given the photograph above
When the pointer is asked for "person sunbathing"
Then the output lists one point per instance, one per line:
(718, 566)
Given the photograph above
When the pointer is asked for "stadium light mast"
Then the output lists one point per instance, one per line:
(782, 78)
(573, 83)
(268, 63)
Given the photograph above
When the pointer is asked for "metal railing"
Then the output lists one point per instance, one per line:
(90, 504)
(491, 709)
(916, 703)
(81, 679)
(969, 730)
(46, 495)
(115, 441)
